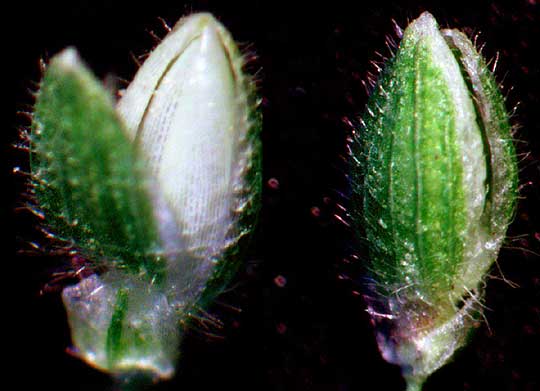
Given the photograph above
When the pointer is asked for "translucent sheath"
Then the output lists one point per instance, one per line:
(435, 180)
(160, 192)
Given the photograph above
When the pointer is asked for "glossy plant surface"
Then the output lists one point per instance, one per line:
(435, 178)
(159, 193)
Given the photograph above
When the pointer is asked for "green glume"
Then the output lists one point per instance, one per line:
(434, 176)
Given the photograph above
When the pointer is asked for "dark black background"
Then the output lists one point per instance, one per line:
(312, 333)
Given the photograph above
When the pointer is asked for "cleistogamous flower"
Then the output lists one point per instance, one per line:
(161, 191)
(434, 175)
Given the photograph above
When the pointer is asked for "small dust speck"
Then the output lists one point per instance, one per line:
(273, 184)
(280, 281)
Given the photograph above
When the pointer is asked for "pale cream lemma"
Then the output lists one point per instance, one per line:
(189, 110)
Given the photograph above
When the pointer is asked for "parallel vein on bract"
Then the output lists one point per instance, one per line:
(429, 168)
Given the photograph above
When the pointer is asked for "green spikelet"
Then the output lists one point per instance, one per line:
(435, 181)
(161, 191)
